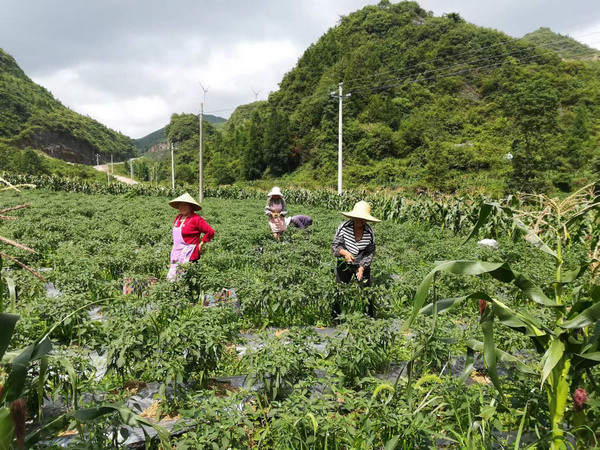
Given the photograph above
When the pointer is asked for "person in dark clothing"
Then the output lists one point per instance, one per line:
(299, 221)
(354, 246)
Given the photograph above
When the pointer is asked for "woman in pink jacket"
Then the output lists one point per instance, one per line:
(190, 233)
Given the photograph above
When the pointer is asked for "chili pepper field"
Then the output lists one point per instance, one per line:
(494, 350)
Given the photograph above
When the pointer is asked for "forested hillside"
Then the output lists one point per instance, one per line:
(436, 103)
(565, 46)
(146, 143)
(30, 117)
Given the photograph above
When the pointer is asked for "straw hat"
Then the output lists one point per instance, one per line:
(185, 198)
(361, 210)
(275, 191)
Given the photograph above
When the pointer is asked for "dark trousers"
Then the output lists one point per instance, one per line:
(343, 274)
(345, 271)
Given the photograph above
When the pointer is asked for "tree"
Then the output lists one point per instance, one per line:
(277, 144)
(254, 158)
(533, 106)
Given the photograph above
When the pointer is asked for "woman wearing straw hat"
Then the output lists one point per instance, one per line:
(354, 245)
(276, 210)
(188, 229)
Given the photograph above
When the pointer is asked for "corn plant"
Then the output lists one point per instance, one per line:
(570, 345)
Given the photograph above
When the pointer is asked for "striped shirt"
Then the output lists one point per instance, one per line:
(362, 250)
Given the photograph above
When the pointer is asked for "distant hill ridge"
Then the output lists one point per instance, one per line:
(566, 47)
(149, 142)
(30, 116)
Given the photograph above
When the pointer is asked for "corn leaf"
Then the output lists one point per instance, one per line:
(489, 348)
(469, 361)
(552, 357)
(7, 325)
(126, 416)
(534, 239)
(588, 317)
(584, 211)
(500, 271)
(484, 213)
(477, 346)
(12, 292)
(20, 366)
(594, 356)
(6, 429)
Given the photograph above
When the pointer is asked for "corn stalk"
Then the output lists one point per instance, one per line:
(568, 348)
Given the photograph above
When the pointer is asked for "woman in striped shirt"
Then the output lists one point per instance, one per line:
(354, 245)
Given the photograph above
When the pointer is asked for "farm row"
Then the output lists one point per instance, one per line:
(367, 383)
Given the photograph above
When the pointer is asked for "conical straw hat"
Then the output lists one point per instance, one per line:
(361, 210)
(185, 198)
(275, 191)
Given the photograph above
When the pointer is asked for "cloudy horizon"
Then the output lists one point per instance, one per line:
(130, 65)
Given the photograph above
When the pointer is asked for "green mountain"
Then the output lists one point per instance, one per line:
(435, 103)
(215, 120)
(147, 143)
(565, 46)
(244, 112)
(30, 117)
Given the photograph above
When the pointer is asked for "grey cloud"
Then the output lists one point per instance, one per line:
(137, 48)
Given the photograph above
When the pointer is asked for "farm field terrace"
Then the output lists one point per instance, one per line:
(304, 387)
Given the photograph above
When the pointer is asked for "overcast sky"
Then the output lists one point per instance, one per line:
(130, 64)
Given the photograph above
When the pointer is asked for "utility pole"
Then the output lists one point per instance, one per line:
(172, 169)
(340, 96)
(112, 165)
(200, 165)
(131, 168)
(97, 161)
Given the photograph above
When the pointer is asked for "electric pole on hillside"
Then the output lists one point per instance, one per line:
(131, 168)
(112, 165)
(255, 94)
(200, 166)
(340, 96)
(97, 161)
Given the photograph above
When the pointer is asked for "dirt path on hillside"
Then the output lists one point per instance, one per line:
(104, 168)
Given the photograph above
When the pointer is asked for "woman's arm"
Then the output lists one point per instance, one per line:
(207, 230)
(268, 208)
(338, 247)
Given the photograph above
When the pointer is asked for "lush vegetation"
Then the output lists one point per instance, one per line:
(160, 136)
(35, 162)
(30, 117)
(305, 389)
(565, 46)
(437, 103)
(145, 143)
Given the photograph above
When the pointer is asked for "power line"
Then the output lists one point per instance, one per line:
(513, 41)
(504, 56)
(324, 93)
(379, 88)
